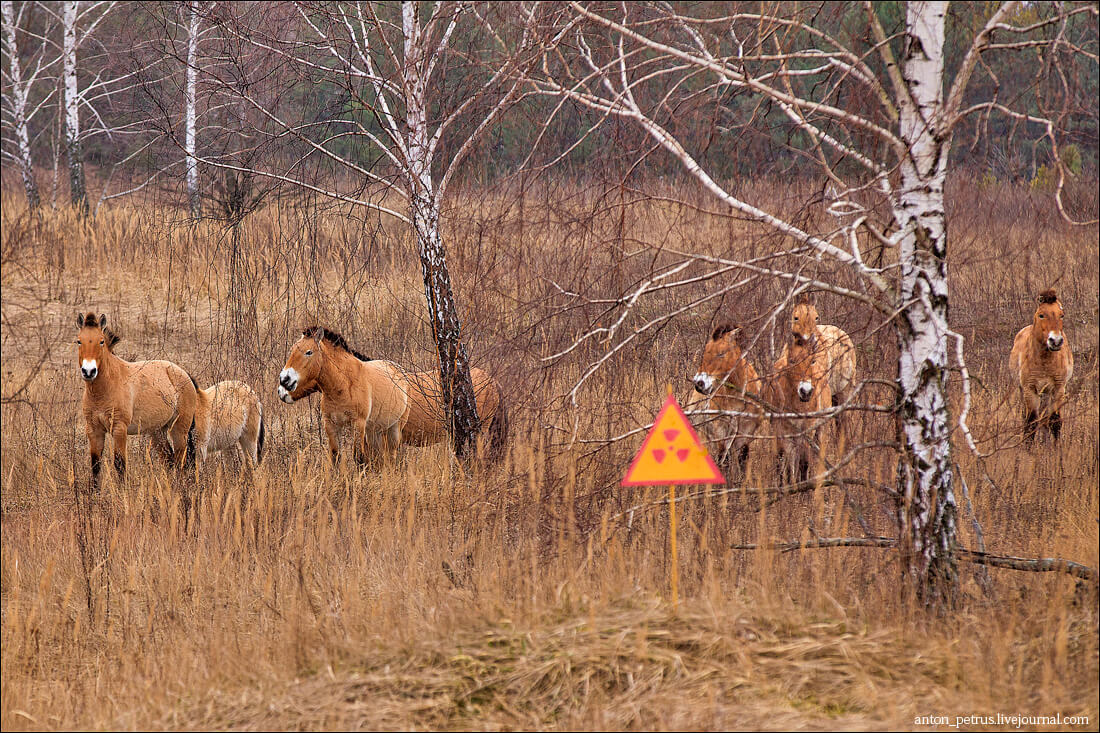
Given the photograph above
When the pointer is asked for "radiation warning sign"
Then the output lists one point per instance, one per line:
(672, 453)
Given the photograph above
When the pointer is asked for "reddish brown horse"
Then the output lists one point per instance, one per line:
(385, 405)
(123, 398)
(799, 385)
(1042, 363)
(731, 381)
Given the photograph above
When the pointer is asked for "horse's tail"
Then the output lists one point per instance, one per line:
(260, 437)
(189, 459)
(498, 427)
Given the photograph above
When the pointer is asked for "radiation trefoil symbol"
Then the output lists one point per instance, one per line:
(672, 453)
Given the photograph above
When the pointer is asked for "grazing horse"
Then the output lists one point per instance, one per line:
(727, 376)
(1042, 363)
(387, 405)
(799, 384)
(367, 395)
(124, 398)
(830, 346)
(229, 413)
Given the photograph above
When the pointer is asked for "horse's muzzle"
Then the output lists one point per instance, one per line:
(1054, 343)
(805, 391)
(89, 374)
(704, 383)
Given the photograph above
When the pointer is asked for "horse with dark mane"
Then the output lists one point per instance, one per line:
(383, 404)
(125, 398)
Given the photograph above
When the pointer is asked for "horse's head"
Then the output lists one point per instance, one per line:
(797, 377)
(720, 357)
(303, 366)
(1047, 321)
(804, 324)
(93, 340)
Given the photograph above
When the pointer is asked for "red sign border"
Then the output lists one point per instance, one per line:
(672, 403)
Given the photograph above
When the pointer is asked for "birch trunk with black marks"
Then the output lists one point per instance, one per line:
(927, 511)
(190, 126)
(78, 193)
(454, 365)
(19, 107)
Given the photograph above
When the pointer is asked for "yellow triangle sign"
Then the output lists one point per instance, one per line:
(672, 453)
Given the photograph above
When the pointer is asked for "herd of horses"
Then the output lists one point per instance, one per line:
(386, 406)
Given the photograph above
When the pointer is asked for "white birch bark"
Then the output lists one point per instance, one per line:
(189, 113)
(77, 190)
(457, 386)
(19, 106)
(928, 509)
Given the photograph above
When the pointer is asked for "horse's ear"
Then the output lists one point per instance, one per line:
(317, 334)
(1048, 296)
(102, 320)
(79, 319)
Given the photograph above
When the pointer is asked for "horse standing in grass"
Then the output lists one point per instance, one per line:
(386, 405)
(357, 392)
(124, 398)
(731, 381)
(1042, 363)
(229, 414)
(799, 384)
(831, 347)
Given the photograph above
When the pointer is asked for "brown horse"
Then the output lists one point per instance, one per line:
(731, 381)
(799, 384)
(1042, 362)
(367, 395)
(387, 405)
(124, 398)
(831, 347)
(229, 414)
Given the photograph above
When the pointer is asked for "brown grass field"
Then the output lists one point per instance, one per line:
(430, 594)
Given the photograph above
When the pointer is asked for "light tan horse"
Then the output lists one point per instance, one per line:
(371, 392)
(366, 395)
(731, 381)
(124, 398)
(832, 348)
(1042, 363)
(798, 384)
(229, 414)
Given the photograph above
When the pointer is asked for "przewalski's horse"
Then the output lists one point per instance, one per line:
(386, 405)
(357, 392)
(832, 348)
(229, 414)
(1042, 362)
(124, 398)
(799, 384)
(731, 382)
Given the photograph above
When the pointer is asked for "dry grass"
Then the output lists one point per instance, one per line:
(426, 595)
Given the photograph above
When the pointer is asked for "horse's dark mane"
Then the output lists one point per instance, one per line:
(722, 330)
(1048, 296)
(110, 337)
(335, 339)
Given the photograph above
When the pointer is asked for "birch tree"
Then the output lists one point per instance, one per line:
(18, 109)
(77, 25)
(877, 112)
(190, 114)
(406, 111)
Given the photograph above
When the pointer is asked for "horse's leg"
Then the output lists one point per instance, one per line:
(1031, 413)
(1055, 420)
(393, 440)
(118, 438)
(333, 438)
(162, 446)
(96, 435)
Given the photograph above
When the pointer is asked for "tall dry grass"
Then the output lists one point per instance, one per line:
(524, 594)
